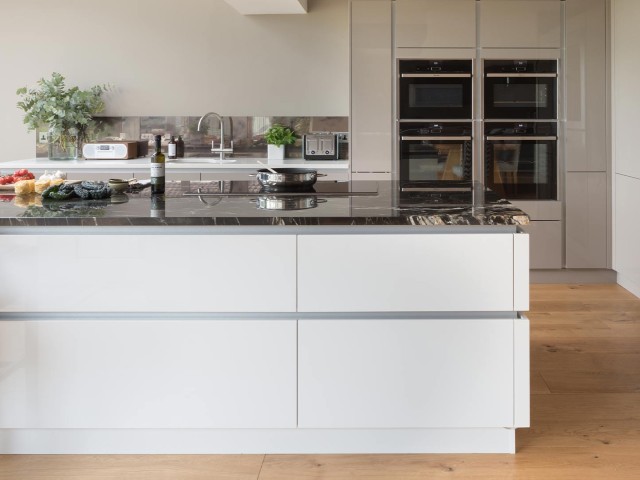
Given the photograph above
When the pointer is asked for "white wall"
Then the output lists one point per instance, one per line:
(175, 58)
(626, 128)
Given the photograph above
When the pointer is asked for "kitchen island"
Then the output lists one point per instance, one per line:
(369, 321)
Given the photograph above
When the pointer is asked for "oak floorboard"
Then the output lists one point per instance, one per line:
(585, 415)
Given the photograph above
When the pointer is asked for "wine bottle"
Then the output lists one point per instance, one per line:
(157, 168)
(172, 149)
(180, 143)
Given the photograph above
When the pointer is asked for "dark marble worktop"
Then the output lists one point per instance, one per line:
(376, 203)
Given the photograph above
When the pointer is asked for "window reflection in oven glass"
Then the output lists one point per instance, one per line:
(438, 161)
(520, 95)
(522, 170)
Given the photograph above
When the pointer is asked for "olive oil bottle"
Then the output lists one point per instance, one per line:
(157, 168)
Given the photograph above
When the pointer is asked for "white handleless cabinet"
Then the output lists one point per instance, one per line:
(391, 273)
(146, 273)
(436, 23)
(520, 24)
(89, 373)
(371, 86)
(405, 373)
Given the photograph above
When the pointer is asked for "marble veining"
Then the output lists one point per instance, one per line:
(383, 205)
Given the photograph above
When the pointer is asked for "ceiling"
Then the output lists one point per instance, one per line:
(264, 7)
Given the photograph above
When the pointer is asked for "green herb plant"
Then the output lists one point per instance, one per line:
(280, 135)
(68, 112)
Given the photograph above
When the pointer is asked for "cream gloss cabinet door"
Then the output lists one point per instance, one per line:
(127, 373)
(436, 373)
(586, 91)
(404, 272)
(371, 86)
(436, 23)
(520, 24)
(587, 218)
(147, 273)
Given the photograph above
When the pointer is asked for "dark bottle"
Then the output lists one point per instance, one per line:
(158, 206)
(180, 145)
(172, 148)
(157, 168)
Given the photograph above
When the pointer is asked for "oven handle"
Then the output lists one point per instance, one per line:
(520, 138)
(525, 75)
(435, 75)
(434, 137)
(436, 189)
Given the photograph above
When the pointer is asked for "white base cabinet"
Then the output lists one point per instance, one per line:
(436, 373)
(360, 342)
(129, 374)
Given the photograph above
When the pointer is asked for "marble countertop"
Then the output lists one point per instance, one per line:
(190, 164)
(377, 203)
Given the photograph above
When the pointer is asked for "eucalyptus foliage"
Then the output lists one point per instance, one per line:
(68, 112)
(280, 135)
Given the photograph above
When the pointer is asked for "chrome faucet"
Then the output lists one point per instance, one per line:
(220, 150)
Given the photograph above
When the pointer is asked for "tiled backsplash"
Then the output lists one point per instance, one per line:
(247, 133)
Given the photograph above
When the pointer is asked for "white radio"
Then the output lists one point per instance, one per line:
(123, 150)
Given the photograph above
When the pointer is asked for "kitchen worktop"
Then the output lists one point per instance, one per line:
(190, 164)
(374, 204)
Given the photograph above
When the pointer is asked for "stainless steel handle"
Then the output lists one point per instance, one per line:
(521, 138)
(522, 75)
(434, 137)
(435, 75)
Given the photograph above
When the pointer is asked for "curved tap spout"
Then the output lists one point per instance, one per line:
(220, 150)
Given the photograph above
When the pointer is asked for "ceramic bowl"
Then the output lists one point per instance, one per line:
(118, 185)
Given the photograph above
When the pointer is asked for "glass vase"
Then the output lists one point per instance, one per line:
(62, 146)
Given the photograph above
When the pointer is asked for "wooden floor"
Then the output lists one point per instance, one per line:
(585, 403)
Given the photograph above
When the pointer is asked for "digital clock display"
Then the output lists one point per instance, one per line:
(104, 147)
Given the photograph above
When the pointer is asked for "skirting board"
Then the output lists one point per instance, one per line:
(256, 441)
(573, 275)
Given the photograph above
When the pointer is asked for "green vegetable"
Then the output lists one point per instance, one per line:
(280, 135)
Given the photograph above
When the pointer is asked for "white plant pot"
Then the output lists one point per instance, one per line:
(275, 152)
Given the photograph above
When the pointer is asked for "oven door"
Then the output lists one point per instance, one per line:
(435, 158)
(522, 168)
(520, 96)
(434, 96)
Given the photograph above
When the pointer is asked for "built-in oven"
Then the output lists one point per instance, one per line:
(521, 159)
(435, 89)
(435, 151)
(520, 89)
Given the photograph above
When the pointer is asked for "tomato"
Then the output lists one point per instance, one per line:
(6, 180)
(21, 173)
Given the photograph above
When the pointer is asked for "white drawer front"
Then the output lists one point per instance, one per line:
(147, 273)
(432, 272)
(148, 374)
(405, 373)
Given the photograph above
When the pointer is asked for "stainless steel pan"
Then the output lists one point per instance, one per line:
(288, 178)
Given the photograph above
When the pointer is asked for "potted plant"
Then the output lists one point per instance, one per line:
(277, 136)
(68, 113)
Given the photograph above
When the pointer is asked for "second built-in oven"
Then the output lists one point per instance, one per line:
(435, 90)
(521, 160)
(520, 89)
(435, 151)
